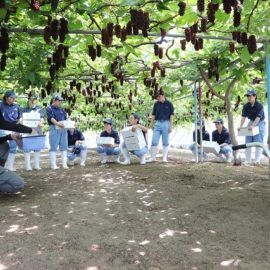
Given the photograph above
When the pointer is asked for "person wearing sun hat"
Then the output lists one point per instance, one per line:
(205, 137)
(109, 150)
(10, 112)
(57, 131)
(32, 107)
(254, 111)
(222, 137)
(134, 121)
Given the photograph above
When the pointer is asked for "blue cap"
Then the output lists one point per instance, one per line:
(250, 93)
(57, 97)
(10, 93)
(108, 121)
(219, 121)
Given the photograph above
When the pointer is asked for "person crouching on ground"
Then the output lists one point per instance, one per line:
(222, 137)
(205, 137)
(57, 136)
(76, 147)
(109, 150)
(141, 153)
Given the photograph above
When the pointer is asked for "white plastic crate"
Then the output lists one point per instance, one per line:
(105, 140)
(134, 140)
(246, 132)
(211, 147)
(33, 143)
(67, 124)
(31, 119)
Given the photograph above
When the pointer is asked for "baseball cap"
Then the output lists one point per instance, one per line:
(136, 116)
(10, 93)
(218, 121)
(108, 121)
(57, 97)
(250, 93)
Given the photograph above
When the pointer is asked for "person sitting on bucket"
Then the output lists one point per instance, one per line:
(205, 137)
(253, 110)
(109, 150)
(141, 153)
(76, 146)
(222, 137)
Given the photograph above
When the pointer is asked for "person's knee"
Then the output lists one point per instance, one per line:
(100, 149)
(116, 151)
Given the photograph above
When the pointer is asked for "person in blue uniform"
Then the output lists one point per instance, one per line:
(76, 146)
(253, 110)
(222, 137)
(109, 150)
(57, 131)
(134, 121)
(205, 137)
(162, 115)
(9, 181)
(10, 112)
(32, 107)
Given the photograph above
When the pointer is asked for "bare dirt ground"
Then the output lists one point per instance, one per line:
(179, 215)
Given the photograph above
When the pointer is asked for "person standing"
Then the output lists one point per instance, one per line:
(222, 137)
(10, 112)
(134, 121)
(57, 131)
(76, 146)
(109, 150)
(162, 116)
(32, 107)
(205, 137)
(253, 110)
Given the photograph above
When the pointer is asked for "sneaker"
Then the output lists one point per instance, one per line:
(116, 159)
(151, 160)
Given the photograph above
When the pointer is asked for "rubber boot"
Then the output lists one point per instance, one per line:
(64, 159)
(83, 156)
(248, 156)
(37, 161)
(153, 154)
(143, 159)
(10, 162)
(165, 153)
(258, 155)
(27, 161)
(103, 158)
(116, 158)
(53, 161)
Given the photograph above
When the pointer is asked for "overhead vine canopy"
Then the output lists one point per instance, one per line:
(109, 58)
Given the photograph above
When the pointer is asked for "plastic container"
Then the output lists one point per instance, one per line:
(33, 143)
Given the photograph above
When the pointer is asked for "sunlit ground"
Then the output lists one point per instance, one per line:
(178, 215)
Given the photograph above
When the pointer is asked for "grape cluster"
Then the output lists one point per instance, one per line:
(252, 44)
(4, 46)
(227, 6)
(211, 12)
(183, 44)
(213, 68)
(94, 52)
(200, 5)
(190, 35)
(182, 8)
(107, 35)
(139, 21)
(236, 18)
(232, 47)
(35, 5)
(54, 4)
(245, 40)
(55, 29)
(204, 24)
(2, 4)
